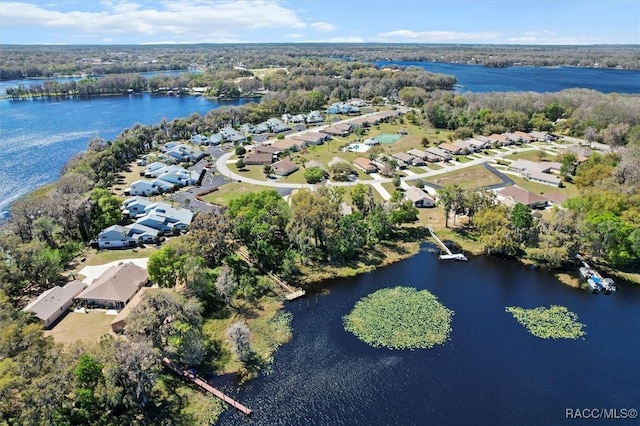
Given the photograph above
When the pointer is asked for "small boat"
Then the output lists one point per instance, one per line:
(595, 285)
(609, 285)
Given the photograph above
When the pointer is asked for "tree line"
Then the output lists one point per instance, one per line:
(51, 61)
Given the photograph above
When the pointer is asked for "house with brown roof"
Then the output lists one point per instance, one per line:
(257, 158)
(404, 157)
(441, 154)
(55, 302)
(312, 138)
(499, 139)
(266, 149)
(288, 144)
(451, 148)
(524, 137)
(556, 198)
(119, 323)
(115, 287)
(466, 146)
(339, 129)
(418, 197)
(514, 194)
(365, 165)
(284, 167)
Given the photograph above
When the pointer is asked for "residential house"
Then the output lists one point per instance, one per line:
(342, 108)
(185, 153)
(512, 137)
(229, 134)
(142, 233)
(152, 167)
(199, 139)
(538, 166)
(258, 158)
(288, 144)
(215, 139)
(451, 148)
(55, 302)
(364, 121)
(295, 119)
(524, 137)
(119, 323)
(115, 236)
(499, 139)
(314, 163)
(134, 206)
(514, 194)
(556, 198)
(466, 146)
(418, 153)
(339, 129)
(261, 128)
(115, 287)
(441, 153)
(483, 138)
(312, 138)
(141, 187)
(477, 144)
(284, 167)
(267, 149)
(404, 157)
(336, 160)
(371, 142)
(169, 146)
(166, 219)
(365, 165)
(314, 117)
(545, 178)
(418, 197)
(161, 186)
(542, 136)
(277, 126)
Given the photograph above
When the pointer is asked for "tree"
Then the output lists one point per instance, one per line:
(450, 198)
(106, 210)
(569, 162)
(165, 266)
(521, 220)
(495, 235)
(267, 170)
(405, 212)
(348, 238)
(171, 323)
(396, 181)
(226, 284)
(240, 164)
(211, 234)
(239, 336)
(314, 174)
(314, 214)
(341, 171)
(240, 150)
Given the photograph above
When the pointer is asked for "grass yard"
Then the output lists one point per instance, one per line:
(463, 159)
(531, 156)
(265, 72)
(231, 191)
(389, 187)
(349, 200)
(469, 178)
(569, 189)
(434, 166)
(100, 257)
(77, 326)
(126, 178)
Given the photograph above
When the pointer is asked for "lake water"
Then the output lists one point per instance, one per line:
(479, 79)
(38, 137)
(491, 372)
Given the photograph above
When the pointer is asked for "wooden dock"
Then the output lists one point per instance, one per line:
(202, 384)
(449, 255)
(291, 293)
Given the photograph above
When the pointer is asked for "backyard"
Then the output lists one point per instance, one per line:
(87, 327)
(474, 177)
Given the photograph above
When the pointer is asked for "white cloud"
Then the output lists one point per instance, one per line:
(323, 26)
(178, 21)
(437, 36)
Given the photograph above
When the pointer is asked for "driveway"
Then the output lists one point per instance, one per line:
(93, 272)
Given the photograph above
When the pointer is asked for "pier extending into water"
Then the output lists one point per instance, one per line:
(448, 255)
(291, 293)
(202, 384)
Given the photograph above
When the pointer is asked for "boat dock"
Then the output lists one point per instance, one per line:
(202, 384)
(290, 293)
(594, 279)
(448, 255)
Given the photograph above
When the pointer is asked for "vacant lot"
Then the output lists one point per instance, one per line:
(77, 326)
(231, 191)
(535, 155)
(469, 178)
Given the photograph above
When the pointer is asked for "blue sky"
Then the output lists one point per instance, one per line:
(244, 21)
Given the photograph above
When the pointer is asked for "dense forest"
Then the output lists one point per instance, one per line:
(49, 61)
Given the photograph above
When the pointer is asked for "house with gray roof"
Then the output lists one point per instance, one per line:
(418, 197)
(440, 153)
(134, 206)
(164, 218)
(115, 236)
(284, 167)
(55, 302)
(115, 287)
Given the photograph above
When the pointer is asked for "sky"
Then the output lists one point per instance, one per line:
(333, 21)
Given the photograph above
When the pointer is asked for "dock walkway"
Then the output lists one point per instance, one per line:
(205, 386)
(449, 255)
(291, 293)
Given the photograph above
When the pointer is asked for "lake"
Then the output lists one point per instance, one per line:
(491, 372)
(38, 137)
(479, 79)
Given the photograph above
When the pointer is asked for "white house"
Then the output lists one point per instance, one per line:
(142, 233)
(115, 236)
(418, 197)
(164, 218)
(142, 187)
(314, 117)
(152, 167)
(134, 206)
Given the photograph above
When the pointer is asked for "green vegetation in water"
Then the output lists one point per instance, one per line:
(555, 322)
(400, 318)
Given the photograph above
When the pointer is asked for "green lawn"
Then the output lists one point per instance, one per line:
(75, 327)
(463, 159)
(231, 191)
(531, 156)
(434, 166)
(469, 177)
(569, 189)
(100, 257)
(389, 187)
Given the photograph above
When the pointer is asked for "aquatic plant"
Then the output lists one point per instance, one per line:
(555, 322)
(400, 318)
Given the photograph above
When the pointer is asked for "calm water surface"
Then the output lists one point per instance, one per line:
(491, 372)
